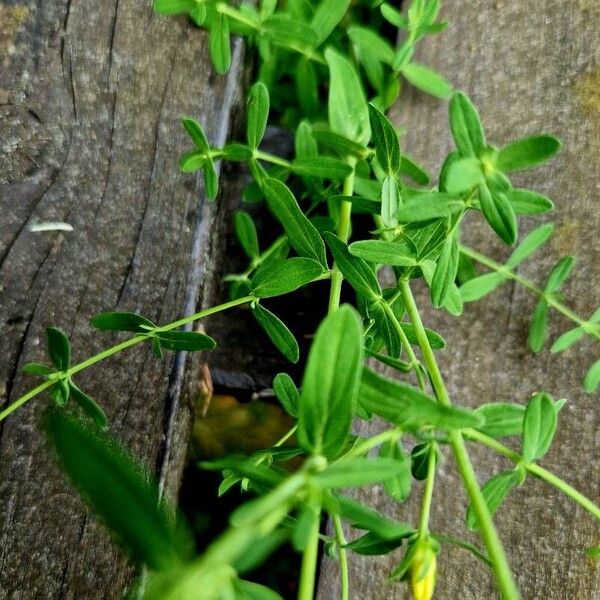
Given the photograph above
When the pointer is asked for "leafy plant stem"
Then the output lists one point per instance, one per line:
(341, 543)
(309, 562)
(427, 495)
(497, 556)
(268, 157)
(343, 232)
(137, 339)
(535, 470)
(549, 298)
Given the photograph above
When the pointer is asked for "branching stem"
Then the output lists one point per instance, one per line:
(137, 339)
(500, 566)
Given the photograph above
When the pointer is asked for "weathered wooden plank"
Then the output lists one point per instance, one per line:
(530, 66)
(90, 99)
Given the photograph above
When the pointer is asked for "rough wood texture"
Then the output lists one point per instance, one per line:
(529, 66)
(90, 99)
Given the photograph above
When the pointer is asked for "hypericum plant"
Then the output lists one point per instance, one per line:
(347, 160)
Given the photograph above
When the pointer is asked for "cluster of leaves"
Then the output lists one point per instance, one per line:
(347, 160)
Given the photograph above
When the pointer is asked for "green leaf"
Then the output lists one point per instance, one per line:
(180, 341)
(398, 486)
(284, 276)
(290, 33)
(539, 236)
(302, 234)
(427, 80)
(385, 139)
(466, 127)
(305, 142)
(526, 202)
(383, 252)
(498, 212)
(432, 205)
(211, 180)
(390, 201)
(355, 270)
(248, 590)
(88, 406)
(339, 144)
(220, 48)
(372, 544)
(122, 321)
(494, 492)
(237, 152)
(174, 7)
(195, 131)
(481, 286)
(445, 272)
(526, 153)
(419, 460)
(559, 274)
(436, 341)
(357, 472)
(386, 329)
(538, 328)
(59, 348)
(246, 233)
(198, 14)
(364, 517)
(567, 339)
(287, 393)
(323, 167)
(463, 175)
(119, 491)
(371, 44)
(330, 384)
(539, 425)
(398, 365)
(257, 107)
(328, 14)
(411, 169)
(276, 329)
(592, 378)
(33, 368)
(409, 407)
(501, 419)
(60, 392)
(192, 161)
(393, 16)
(347, 106)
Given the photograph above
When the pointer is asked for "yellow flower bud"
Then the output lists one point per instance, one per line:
(423, 573)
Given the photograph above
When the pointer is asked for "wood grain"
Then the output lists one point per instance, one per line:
(530, 66)
(90, 99)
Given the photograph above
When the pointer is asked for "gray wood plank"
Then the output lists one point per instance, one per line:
(530, 66)
(90, 99)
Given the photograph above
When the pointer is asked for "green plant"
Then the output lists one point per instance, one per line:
(347, 160)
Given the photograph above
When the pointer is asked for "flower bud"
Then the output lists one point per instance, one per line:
(423, 572)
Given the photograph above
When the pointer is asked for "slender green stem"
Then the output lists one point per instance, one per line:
(343, 231)
(309, 561)
(272, 158)
(427, 494)
(372, 442)
(237, 15)
(341, 543)
(492, 542)
(412, 357)
(549, 298)
(535, 470)
(137, 339)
